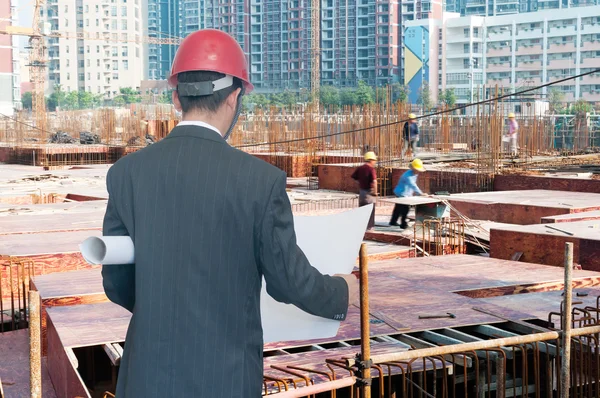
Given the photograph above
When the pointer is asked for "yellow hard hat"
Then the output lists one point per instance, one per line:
(511, 115)
(370, 156)
(417, 164)
(412, 116)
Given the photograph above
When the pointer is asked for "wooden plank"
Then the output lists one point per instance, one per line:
(113, 354)
(411, 200)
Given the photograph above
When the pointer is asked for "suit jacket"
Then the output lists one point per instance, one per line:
(208, 221)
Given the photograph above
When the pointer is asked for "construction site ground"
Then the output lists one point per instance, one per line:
(46, 214)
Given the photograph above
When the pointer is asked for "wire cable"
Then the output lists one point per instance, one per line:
(464, 106)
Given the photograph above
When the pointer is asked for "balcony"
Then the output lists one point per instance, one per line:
(590, 63)
(499, 52)
(528, 33)
(568, 47)
(562, 30)
(502, 67)
(591, 79)
(591, 96)
(529, 65)
(529, 49)
(498, 82)
(565, 63)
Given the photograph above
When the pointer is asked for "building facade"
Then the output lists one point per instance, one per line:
(10, 90)
(110, 55)
(164, 17)
(479, 56)
(505, 7)
(421, 66)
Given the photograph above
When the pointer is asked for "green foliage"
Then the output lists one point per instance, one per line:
(26, 100)
(56, 99)
(330, 97)
(581, 107)
(381, 94)
(75, 100)
(447, 98)
(364, 93)
(348, 97)
(129, 96)
(556, 99)
(400, 93)
(424, 98)
(165, 98)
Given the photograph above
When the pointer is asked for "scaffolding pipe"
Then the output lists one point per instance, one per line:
(475, 346)
(35, 352)
(565, 382)
(365, 332)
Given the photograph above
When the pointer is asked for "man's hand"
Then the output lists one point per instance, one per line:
(353, 289)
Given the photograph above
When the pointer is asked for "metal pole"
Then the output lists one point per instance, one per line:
(365, 333)
(35, 353)
(565, 368)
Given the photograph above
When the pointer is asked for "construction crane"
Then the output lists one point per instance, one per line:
(38, 58)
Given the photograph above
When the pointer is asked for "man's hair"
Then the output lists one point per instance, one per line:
(207, 102)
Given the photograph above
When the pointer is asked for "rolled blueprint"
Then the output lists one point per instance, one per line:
(331, 243)
(108, 250)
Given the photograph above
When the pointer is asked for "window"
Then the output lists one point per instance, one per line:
(66, 22)
(87, 8)
(87, 22)
(97, 62)
(80, 50)
(137, 13)
(125, 51)
(89, 76)
(66, 8)
(137, 52)
(81, 77)
(88, 63)
(466, 48)
(97, 49)
(115, 65)
(124, 11)
(115, 52)
(126, 65)
(67, 49)
(97, 22)
(98, 76)
(114, 24)
(68, 63)
(87, 49)
(97, 8)
(113, 11)
(123, 24)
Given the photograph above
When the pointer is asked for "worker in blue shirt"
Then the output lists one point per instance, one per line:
(407, 186)
(410, 134)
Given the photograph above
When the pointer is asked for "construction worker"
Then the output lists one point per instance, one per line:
(407, 186)
(208, 222)
(367, 182)
(511, 136)
(410, 134)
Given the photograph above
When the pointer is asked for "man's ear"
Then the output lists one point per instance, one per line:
(232, 99)
(176, 101)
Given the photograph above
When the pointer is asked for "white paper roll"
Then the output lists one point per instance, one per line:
(108, 250)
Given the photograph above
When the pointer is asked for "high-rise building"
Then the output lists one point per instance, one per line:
(504, 7)
(360, 39)
(108, 56)
(164, 17)
(513, 53)
(10, 92)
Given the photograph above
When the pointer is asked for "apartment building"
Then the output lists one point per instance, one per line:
(10, 91)
(504, 7)
(110, 54)
(164, 17)
(478, 55)
(536, 48)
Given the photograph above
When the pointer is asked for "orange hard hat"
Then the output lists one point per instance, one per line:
(211, 50)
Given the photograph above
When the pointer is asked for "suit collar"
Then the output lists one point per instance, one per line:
(196, 131)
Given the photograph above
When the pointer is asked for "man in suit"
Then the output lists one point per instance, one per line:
(208, 222)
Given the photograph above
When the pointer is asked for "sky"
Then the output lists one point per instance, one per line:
(25, 9)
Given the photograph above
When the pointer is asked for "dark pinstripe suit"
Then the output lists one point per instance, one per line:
(207, 221)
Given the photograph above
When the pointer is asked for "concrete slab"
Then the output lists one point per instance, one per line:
(583, 216)
(545, 243)
(522, 207)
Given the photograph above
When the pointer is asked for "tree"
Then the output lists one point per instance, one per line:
(57, 98)
(556, 99)
(400, 93)
(72, 101)
(448, 98)
(330, 97)
(581, 107)
(424, 98)
(119, 101)
(288, 98)
(130, 96)
(26, 100)
(348, 97)
(364, 94)
(86, 99)
(165, 97)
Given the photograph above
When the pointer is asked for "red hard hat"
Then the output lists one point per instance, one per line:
(211, 50)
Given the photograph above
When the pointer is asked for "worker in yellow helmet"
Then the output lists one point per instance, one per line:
(511, 136)
(367, 182)
(407, 186)
(410, 134)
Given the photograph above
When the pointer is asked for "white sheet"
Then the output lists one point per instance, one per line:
(331, 244)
